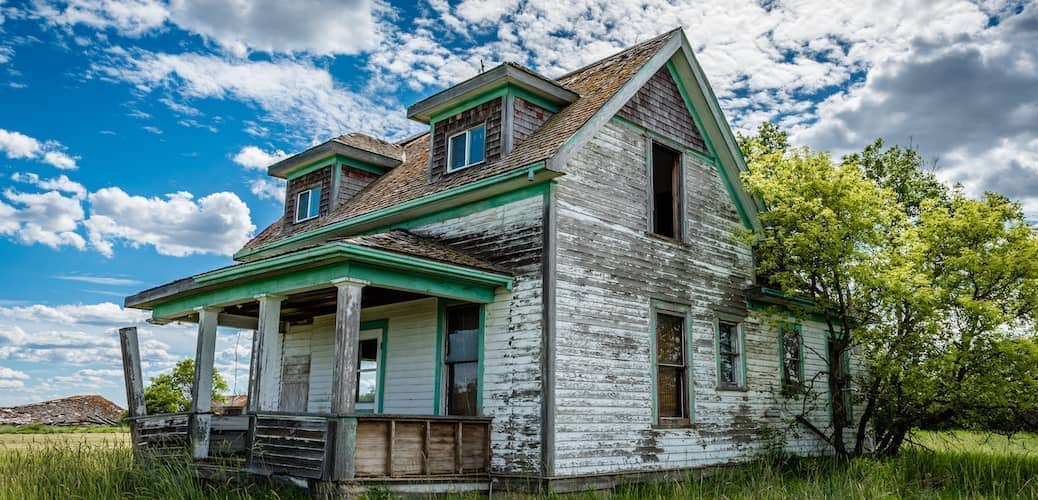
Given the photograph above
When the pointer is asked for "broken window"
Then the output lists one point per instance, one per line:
(671, 369)
(729, 355)
(792, 350)
(462, 359)
(666, 192)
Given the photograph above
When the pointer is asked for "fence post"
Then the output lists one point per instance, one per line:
(134, 383)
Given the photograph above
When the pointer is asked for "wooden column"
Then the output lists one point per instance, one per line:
(202, 389)
(267, 356)
(344, 378)
(134, 381)
(347, 336)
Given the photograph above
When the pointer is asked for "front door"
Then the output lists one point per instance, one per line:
(295, 383)
(369, 356)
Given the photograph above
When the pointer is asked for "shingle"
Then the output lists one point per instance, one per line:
(595, 83)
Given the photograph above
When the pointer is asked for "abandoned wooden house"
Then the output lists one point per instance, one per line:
(546, 289)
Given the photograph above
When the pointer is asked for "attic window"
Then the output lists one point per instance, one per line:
(666, 191)
(308, 204)
(467, 148)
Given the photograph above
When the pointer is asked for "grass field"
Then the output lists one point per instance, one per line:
(939, 465)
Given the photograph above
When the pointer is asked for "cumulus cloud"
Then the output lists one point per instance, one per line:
(17, 145)
(252, 157)
(970, 105)
(48, 218)
(60, 183)
(290, 92)
(176, 225)
(12, 379)
(268, 189)
(105, 313)
(320, 27)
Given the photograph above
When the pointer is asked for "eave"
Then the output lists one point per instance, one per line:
(326, 152)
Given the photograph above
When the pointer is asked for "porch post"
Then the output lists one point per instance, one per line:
(267, 355)
(134, 382)
(344, 380)
(202, 389)
(347, 335)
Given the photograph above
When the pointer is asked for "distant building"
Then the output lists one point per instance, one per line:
(74, 410)
(231, 405)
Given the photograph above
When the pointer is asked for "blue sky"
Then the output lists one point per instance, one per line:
(134, 133)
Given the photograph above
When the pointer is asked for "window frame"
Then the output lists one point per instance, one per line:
(309, 205)
(680, 229)
(786, 384)
(442, 395)
(467, 163)
(739, 344)
(688, 393)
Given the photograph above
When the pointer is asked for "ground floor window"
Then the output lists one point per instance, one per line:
(462, 359)
(672, 406)
(730, 360)
(367, 371)
(792, 363)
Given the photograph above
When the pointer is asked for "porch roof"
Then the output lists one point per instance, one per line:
(397, 260)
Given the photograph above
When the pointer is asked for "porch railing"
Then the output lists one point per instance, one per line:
(168, 435)
(369, 447)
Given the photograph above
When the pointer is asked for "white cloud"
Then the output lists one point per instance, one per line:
(17, 145)
(294, 93)
(105, 313)
(252, 157)
(319, 27)
(12, 379)
(99, 280)
(128, 17)
(60, 183)
(152, 129)
(268, 188)
(178, 225)
(48, 218)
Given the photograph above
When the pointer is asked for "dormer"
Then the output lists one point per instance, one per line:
(321, 178)
(478, 121)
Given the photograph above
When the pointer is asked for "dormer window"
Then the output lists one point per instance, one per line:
(308, 204)
(467, 148)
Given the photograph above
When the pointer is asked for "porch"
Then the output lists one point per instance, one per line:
(365, 368)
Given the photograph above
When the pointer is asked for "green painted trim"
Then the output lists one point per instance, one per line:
(722, 126)
(526, 95)
(743, 356)
(356, 253)
(691, 109)
(685, 311)
(741, 338)
(782, 352)
(483, 97)
(315, 277)
(418, 203)
(467, 209)
(482, 356)
(662, 138)
(441, 318)
(333, 159)
(380, 324)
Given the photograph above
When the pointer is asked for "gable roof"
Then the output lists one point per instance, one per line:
(603, 88)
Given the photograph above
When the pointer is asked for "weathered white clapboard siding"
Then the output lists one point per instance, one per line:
(410, 358)
(510, 236)
(609, 272)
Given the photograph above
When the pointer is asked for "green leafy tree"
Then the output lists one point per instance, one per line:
(171, 392)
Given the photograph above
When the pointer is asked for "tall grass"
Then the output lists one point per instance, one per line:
(101, 472)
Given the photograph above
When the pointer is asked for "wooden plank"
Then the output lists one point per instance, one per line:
(459, 464)
(347, 333)
(441, 448)
(407, 449)
(132, 378)
(474, 447)
(268, 357)
(202, 389)
(425, 447)
(370, 458)
(390, 444)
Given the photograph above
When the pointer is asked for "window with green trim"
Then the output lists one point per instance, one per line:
(665, 201)
(792, 342)
(367, 371)
(467, 148)
(462, 359)
(729, 355)
(308, 204)
(671, 370)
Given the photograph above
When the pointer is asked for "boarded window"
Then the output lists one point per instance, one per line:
(665, 200)
(671, 369)
(729, 354)
(792, 350)
(462, 359)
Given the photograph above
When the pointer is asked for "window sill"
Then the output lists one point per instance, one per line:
(677, 423)
(297, 221)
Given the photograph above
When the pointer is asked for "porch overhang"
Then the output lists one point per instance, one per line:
(315, 268)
